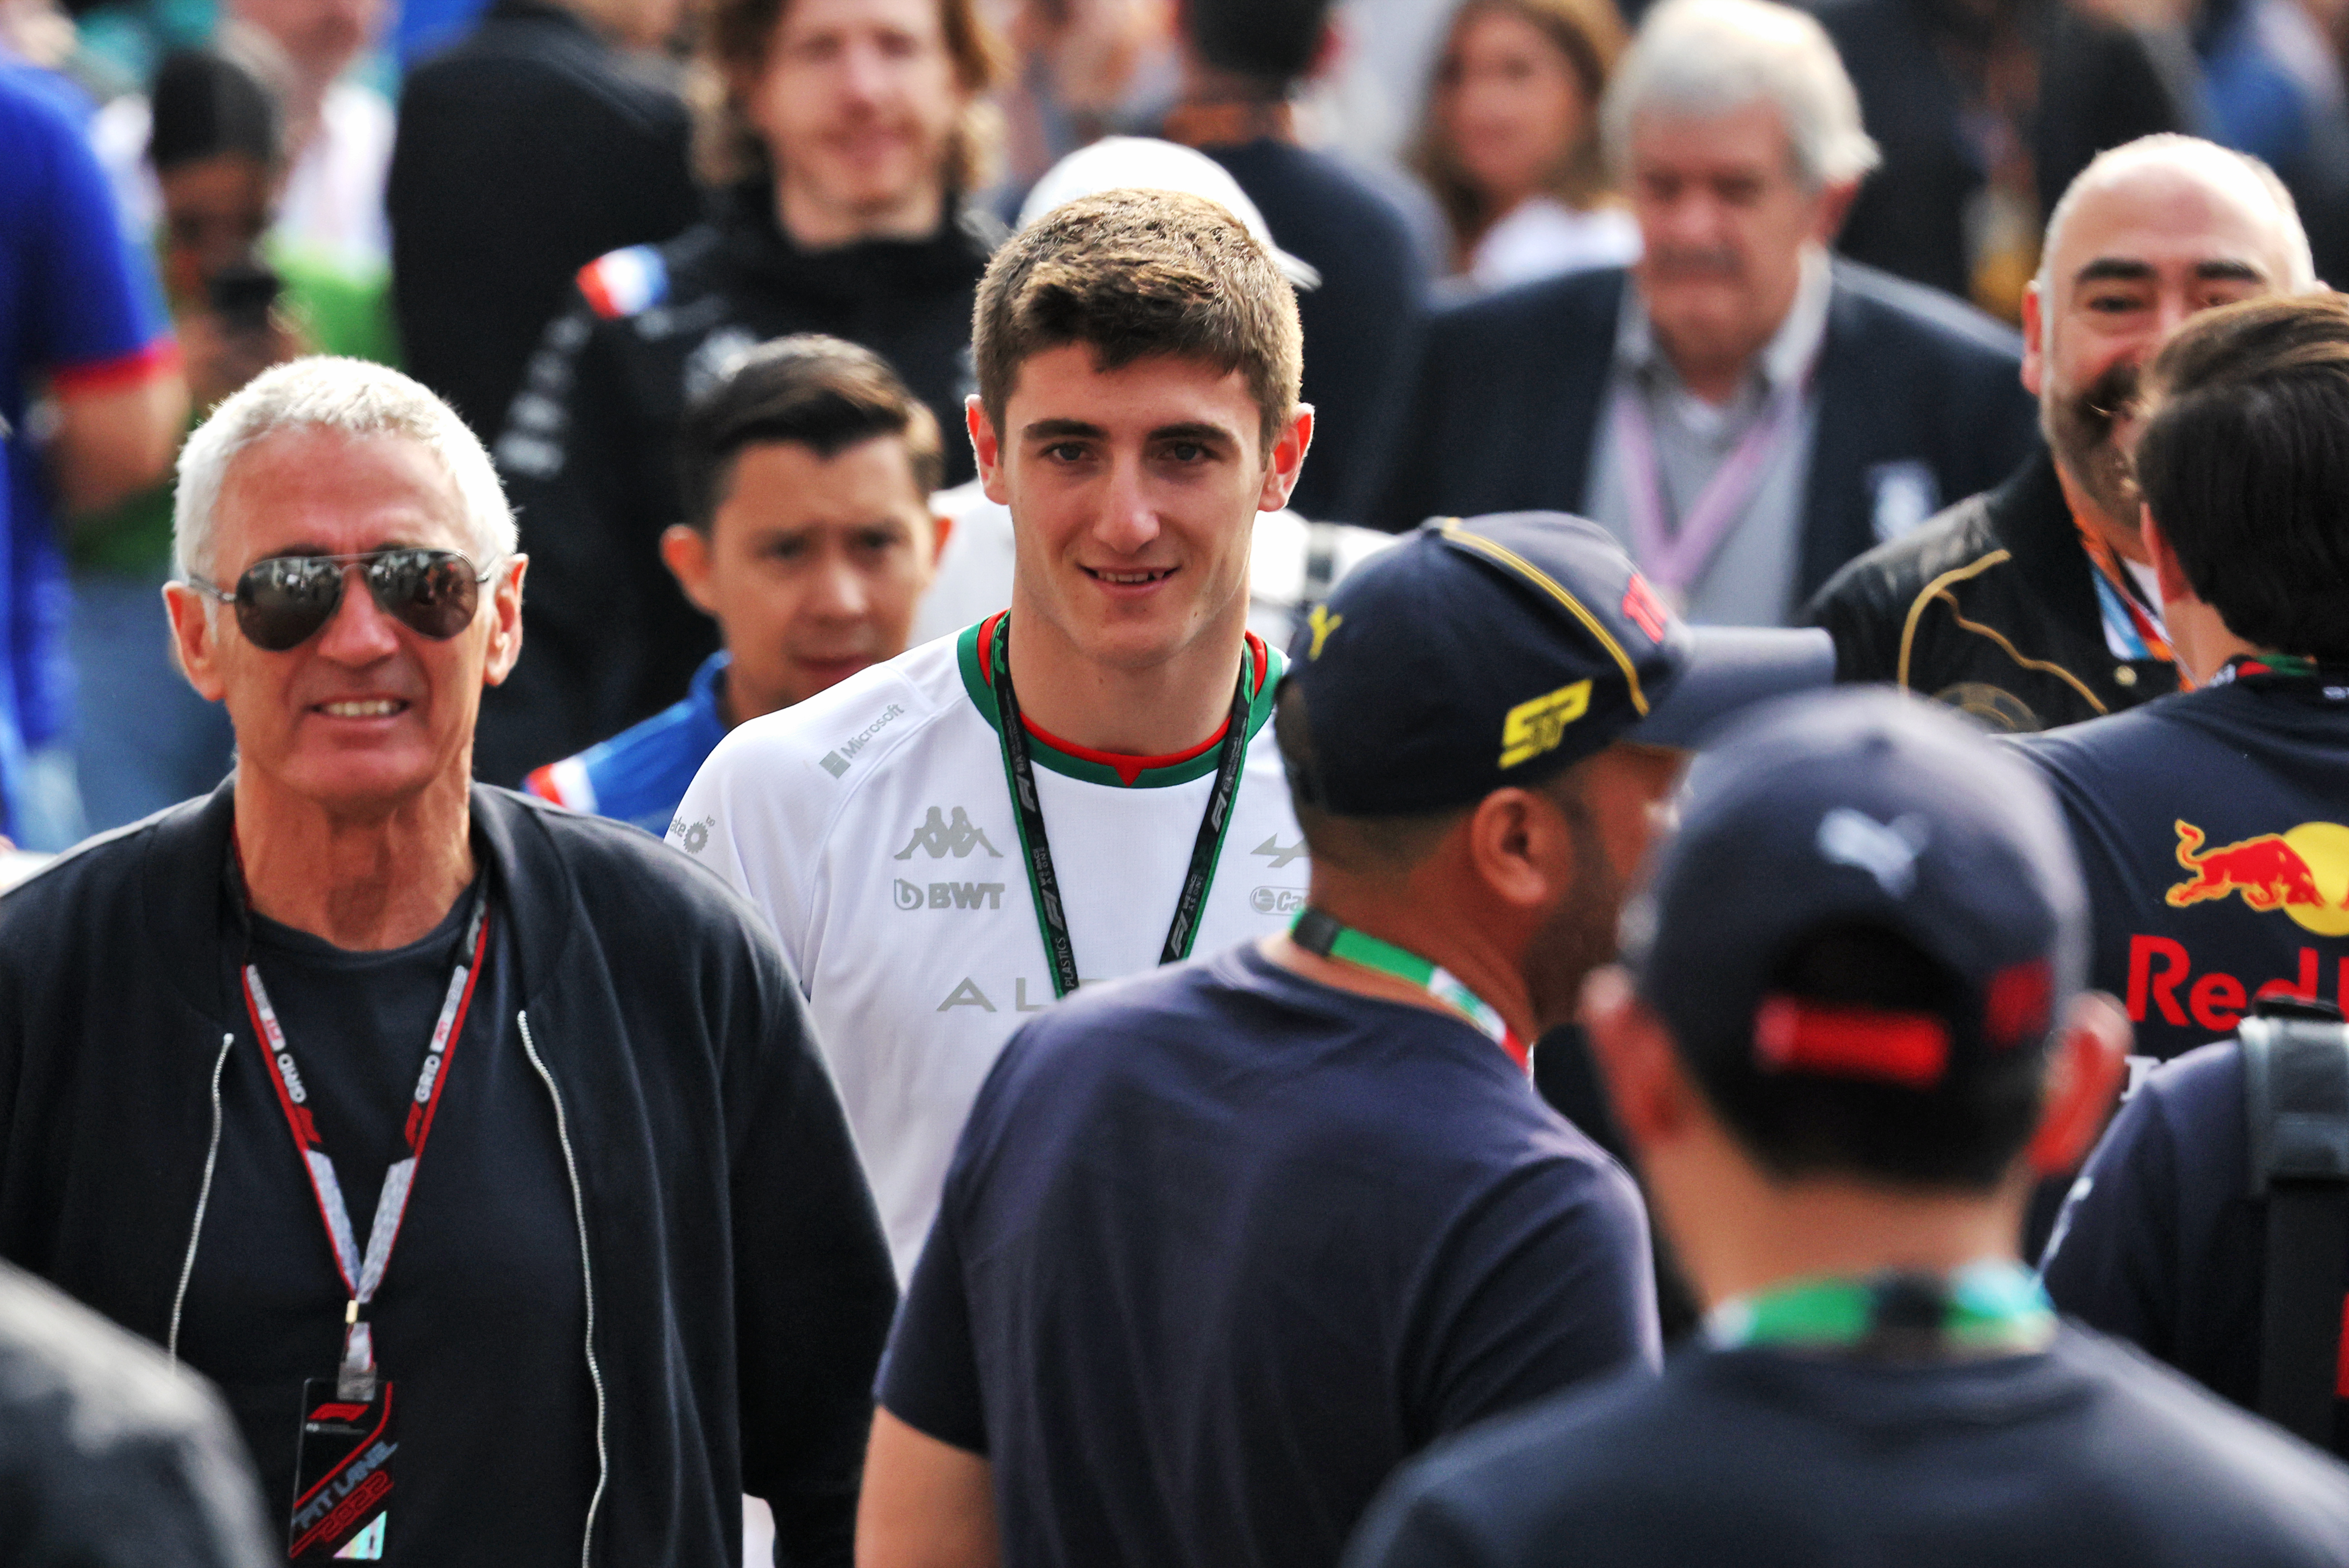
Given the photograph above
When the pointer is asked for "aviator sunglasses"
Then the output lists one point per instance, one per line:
(282, 601)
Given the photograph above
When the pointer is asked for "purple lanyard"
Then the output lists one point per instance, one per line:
(1676, 558)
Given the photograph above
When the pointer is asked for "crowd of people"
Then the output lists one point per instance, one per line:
(1137, 814)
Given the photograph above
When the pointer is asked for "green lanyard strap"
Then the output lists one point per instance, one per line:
(1319, 933)
(1991, 1308)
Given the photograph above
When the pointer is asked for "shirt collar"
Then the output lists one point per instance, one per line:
(1785, 357)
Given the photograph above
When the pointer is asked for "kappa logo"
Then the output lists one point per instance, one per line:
(1281, 853)
(942, 837)
(948, 895)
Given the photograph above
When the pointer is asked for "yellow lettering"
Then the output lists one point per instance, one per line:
(1533, 728)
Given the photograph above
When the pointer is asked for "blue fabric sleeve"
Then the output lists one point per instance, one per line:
(85, 304)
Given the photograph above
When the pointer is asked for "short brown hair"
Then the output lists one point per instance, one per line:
(736, 37)
(1134, 275)
(1590, 34)
(819, 392)
(2244, 463)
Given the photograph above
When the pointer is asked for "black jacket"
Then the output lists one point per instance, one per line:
(588, 452)
(1512, 387)
(1991, 608)
(740, 1290)
(524, 153)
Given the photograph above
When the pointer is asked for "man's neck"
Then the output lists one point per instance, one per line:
(1151, 711)
(817, 225)
(1400, 915)
(361, 881)
(2123, 538)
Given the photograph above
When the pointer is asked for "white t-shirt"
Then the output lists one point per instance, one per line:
(873, 825)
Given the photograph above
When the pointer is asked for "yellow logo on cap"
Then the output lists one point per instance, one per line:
(1532, 728)
(1323, 623)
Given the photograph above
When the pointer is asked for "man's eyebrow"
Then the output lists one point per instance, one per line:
(2114, 269)
(1193, 430)
(2229, 271)
(1060, 430)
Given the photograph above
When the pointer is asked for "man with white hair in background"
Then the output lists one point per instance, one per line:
(1744, 413)
(2034, 605)
(640, 1273)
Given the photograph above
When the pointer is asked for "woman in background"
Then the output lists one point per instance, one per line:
(1510, 140)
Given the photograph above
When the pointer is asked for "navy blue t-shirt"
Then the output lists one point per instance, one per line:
(1220, 1246)
(2211, 827)
(2083, 1454)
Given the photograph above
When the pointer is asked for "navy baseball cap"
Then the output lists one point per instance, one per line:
(1860, 806)
(1479, 653)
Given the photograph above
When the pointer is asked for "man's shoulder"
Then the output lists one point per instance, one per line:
(1325, 190)
(1890, 577)
(627, 282)
(1889, 311)
(544, 60)
(638, 773)
(1586, 301)
(102, 871)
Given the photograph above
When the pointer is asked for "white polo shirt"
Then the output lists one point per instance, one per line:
(874, 824)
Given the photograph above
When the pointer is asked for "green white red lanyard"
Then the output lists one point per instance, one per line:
(1319, 933)
(362, 1274)
(1027, 810)
(1991, 1308)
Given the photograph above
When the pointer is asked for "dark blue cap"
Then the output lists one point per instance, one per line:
(1476, 654)
(1860, 806)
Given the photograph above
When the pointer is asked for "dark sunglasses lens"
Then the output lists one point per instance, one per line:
(432, 591)
(282, 603)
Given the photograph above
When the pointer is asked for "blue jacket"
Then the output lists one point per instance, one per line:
(639, 774)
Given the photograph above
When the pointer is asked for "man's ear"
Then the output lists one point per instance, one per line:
(685, 551)
(2083, 1071)
(1287, 461)
(1513, 844)
(1835, 205)
(505, 622)
(988, 450)
(2034, 338)
(194, 648)
(1646, 1087)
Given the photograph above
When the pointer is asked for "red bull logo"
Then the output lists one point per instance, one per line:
(2304, 872)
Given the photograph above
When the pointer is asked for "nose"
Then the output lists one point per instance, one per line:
(864, 76)
(839, 591)
(359, 633)
(1128, 521)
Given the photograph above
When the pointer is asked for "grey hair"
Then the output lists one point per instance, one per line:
(1707, 58)
(2171, 148)
(358, 399)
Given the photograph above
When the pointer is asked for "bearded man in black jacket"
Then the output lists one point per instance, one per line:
(852, 129)
(639, 1272)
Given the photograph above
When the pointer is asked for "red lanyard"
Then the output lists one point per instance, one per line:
(363, 1273)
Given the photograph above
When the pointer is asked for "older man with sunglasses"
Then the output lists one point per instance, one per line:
(478, 1150)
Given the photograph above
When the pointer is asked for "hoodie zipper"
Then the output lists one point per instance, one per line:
(203, 1200)
(587, 1280)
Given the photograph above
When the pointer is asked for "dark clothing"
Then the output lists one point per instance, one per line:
(1362, 326)
(109, 1458)
(710, 1211)
(2162, 1243)
(524, 153)
(589, 459)
(2209, 836)
(2082, 1454)
(489, 1242)
(2099, 86)
(1513, 388)
(1991, 607)
(1220, 1246)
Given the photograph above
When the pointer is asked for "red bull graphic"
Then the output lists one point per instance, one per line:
(2304, 872)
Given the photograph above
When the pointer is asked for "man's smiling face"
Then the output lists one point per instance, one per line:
(1134, 493)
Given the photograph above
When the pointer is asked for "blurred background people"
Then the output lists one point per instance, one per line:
(2035, 605)
(552, 134)
(81, 332)
(1985, 111)
(1510, 142)
(808, 537)
(1243, 61)
(851, 132)
(1743, 412)
(243, 296)
(336, 132)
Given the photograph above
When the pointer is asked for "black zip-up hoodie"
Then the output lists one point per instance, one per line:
(740, 1290)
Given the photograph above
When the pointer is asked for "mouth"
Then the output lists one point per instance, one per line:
(1142, 579)
(361, 707)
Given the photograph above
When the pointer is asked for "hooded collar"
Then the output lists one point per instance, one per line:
(753, 242)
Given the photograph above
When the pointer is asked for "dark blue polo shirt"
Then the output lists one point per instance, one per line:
(2213, 832)
(1220, 1246)
(2082, 1456)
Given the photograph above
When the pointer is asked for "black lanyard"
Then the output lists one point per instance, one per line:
(362, 1274)
(1044, 885)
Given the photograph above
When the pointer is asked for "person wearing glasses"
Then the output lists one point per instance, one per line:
(634, 1271)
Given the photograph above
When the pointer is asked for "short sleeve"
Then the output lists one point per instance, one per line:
(2111, 1260)
(929, 1377)
(1410, 1527)
(1545, 1283)
(92, 317)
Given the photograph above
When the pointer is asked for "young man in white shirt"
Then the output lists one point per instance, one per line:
(1139, 358)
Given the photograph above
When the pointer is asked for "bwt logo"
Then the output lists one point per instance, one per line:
(948, 895)
(1277, 900)
(942, 837)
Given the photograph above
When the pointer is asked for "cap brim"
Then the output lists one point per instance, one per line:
(1302, 274)
(1730, 669)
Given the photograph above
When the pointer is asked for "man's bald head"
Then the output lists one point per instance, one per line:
(2184, 187)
